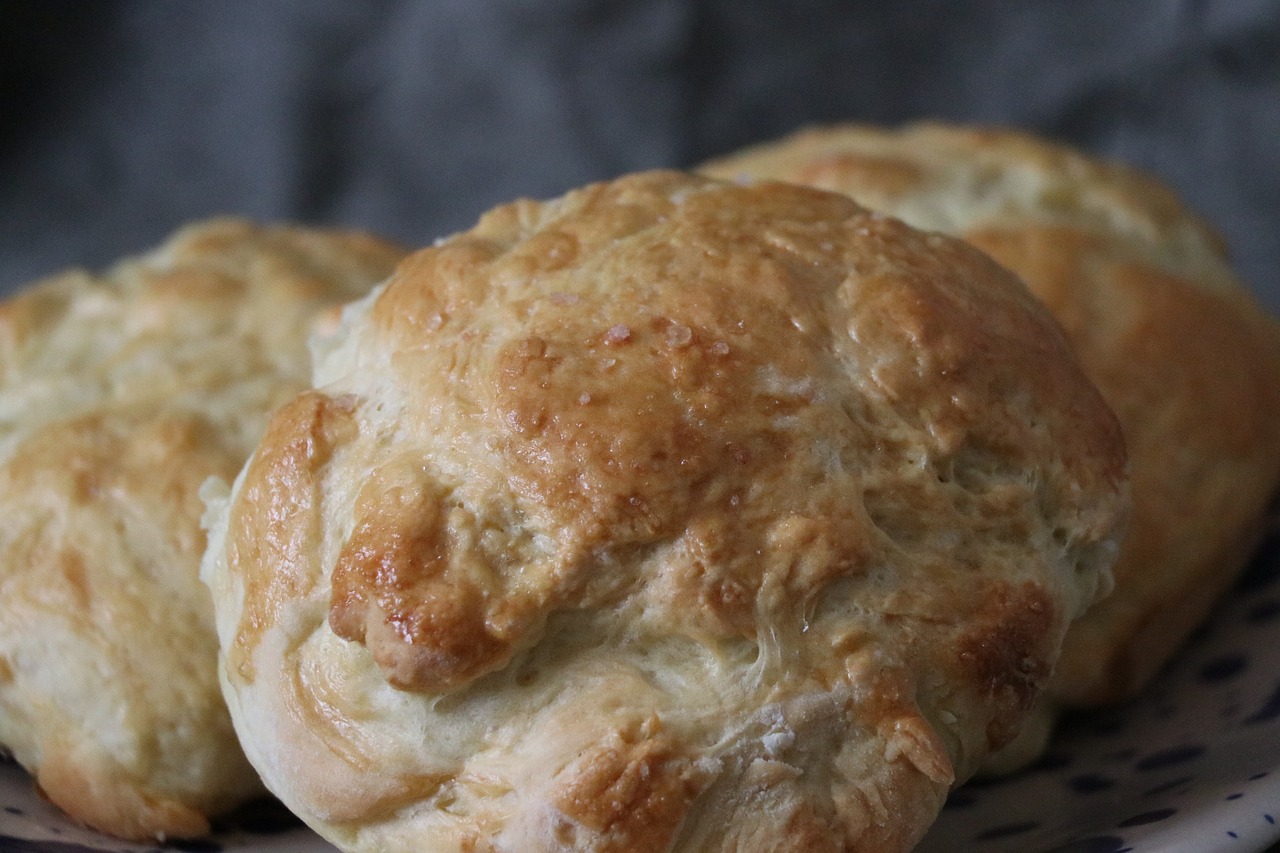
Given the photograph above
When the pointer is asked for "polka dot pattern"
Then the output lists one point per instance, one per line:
(1191, 766)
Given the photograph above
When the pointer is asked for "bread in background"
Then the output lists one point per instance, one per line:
(1180, 350)
(120, 394)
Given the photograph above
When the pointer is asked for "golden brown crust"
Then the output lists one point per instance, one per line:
(120, 395)
(1188, 361)
(633, 790)
(669, 515)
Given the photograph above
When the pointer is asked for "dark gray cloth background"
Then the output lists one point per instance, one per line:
(121, 120)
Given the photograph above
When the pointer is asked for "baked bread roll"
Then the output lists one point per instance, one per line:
(120, 394)
(1182, 353)
(667, 515)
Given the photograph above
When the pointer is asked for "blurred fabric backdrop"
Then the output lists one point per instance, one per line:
(122, 119)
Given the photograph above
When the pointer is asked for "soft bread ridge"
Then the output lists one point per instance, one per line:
(667, 515)
(120, 394)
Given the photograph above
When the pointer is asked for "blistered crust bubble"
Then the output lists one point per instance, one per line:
(668, 515)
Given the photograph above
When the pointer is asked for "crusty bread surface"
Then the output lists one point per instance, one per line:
(670, 514)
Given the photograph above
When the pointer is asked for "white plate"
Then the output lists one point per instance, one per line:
(1192, 766)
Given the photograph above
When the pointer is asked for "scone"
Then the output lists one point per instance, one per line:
(1182, 353)
(120, 395)
(667, 515)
